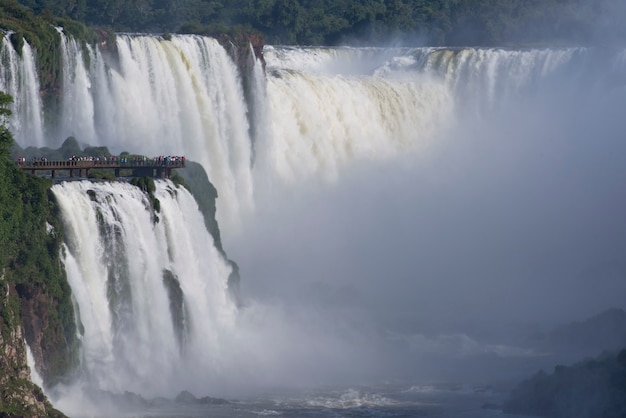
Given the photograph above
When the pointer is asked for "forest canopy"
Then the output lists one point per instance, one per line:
(329, 22)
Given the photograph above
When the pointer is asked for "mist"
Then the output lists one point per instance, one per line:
(439, 262)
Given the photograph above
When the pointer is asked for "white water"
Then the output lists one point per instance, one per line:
(492, 137)
(318, 110)
(35, 377)
(319, 124)
(115, 257)
(18, 77)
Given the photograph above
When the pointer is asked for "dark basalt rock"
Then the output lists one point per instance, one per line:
(238, 45)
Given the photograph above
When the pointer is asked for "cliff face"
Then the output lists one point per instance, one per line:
(35, 299)
(238, 46)
(44, 333)
(19, 397)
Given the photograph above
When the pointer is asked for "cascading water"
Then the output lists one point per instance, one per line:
(488, 77)
(326, 106)
(331, 106)
(165, 97)
(19, 79)
(318, 109)
(150, 296)
(321, 122)
(77, 107)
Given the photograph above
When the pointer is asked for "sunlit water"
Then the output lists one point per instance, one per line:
(392, 206)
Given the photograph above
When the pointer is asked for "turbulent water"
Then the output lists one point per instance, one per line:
(481, 125)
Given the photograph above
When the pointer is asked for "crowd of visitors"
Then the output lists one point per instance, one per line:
(114, 160)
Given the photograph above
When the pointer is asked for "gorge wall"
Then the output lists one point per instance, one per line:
(36, 299)
(310, 117)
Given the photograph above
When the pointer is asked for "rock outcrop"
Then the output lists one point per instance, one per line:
(239, 45)
(19, 397)
(35, 298)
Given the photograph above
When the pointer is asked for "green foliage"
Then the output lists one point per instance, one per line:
(101, 174)
(9, 315)
(30, 238)
(36, 24)
(6, 141)
(14, 399)
(5, 100)
(96, 152)
(6, 138)
(179, 180)
(39, 33)
(146, 184)
(69, 148)
(451, 22)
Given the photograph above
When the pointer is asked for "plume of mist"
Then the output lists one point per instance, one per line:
(441, 262)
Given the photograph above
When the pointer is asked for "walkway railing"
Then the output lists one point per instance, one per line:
(79, 167)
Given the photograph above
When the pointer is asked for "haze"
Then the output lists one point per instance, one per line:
(509, 222)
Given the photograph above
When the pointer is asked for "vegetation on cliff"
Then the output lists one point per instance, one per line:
(36, 296)
(146, 184)
(194, 178)
(39, 30)
(449, 22)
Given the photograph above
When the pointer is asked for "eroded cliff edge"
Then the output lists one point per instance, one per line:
(19, 397)
(35, 299)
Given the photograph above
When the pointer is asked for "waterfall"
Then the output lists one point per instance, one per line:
(151, 298)
(77, 106)
(487, 77)
(136, 282)
(331, 107)
(35, 377)
(321, 120)
(18, 77)
(178, 97)
(314, 112)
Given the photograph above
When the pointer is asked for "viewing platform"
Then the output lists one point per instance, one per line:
(158, 167)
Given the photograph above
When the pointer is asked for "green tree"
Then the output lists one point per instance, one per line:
(29, 259)
(6, 138)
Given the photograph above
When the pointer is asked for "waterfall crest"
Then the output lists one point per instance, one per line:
(154, 296)
(314, 111)
(178, 97)
(330, 107)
